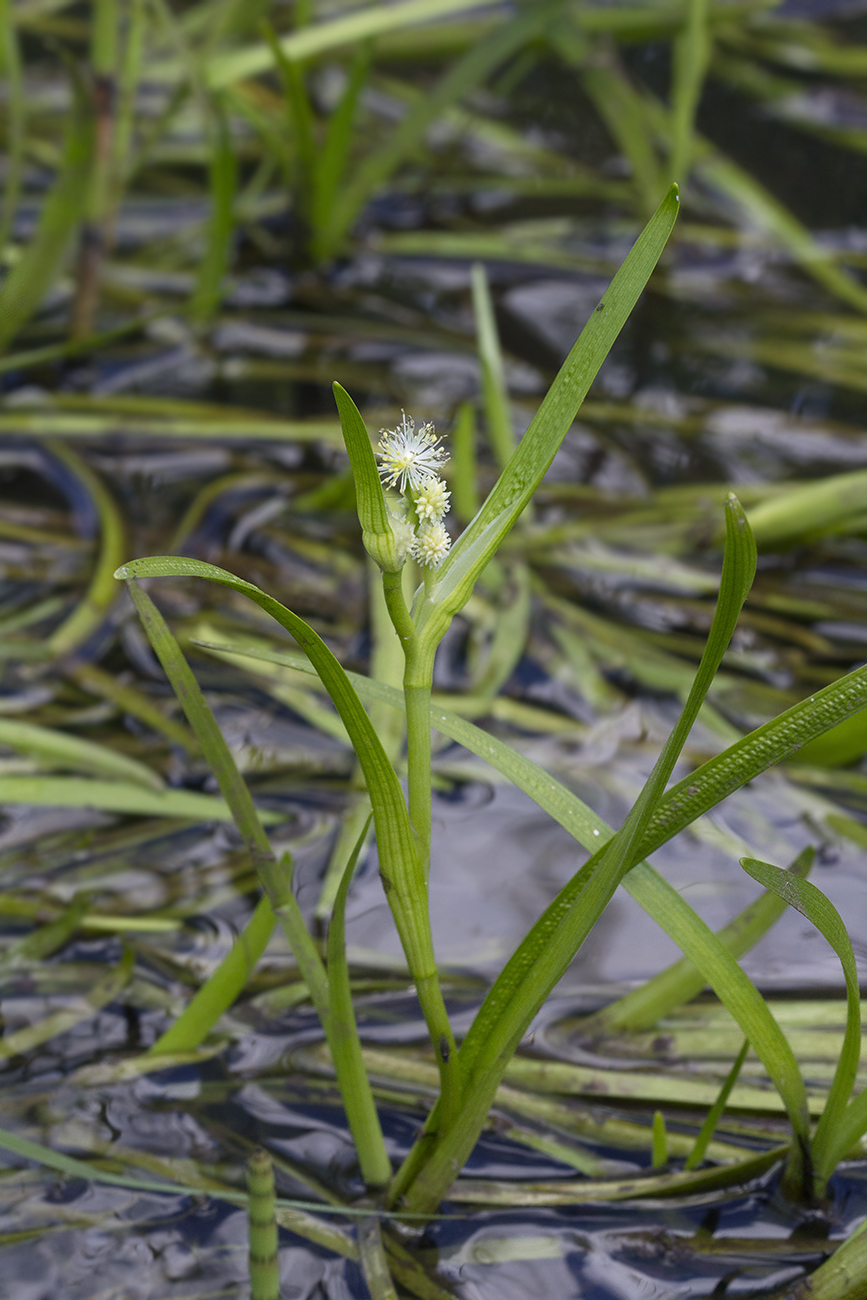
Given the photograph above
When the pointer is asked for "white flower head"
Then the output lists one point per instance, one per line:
(410, 456)
(431, 545)
(432, 502)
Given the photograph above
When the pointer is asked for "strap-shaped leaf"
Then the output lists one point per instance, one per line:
(777, 740)
(563, 926)
(649, 889)
(376, 531)
(118, 797)
(343, 1038)
(456, 576)
(394, 833)
(400, 866)
(708, 1128)
(807, 899)
(59, 749)
(276, 879)
(221, 988)
(706, 951)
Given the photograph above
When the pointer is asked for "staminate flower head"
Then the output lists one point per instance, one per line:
(409, 456)
(431, 545)
(432, 502)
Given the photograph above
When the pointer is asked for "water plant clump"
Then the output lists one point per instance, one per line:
(471, 1071)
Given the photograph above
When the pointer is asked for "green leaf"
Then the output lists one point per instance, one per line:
(464, 75)
(400, 865)
(101, 593)
(777, 740)
(659, 1155)
(367, 21)
(343, 1037)
(692, 51)
(221, 988)
(60, 750)
(33, 275)
(232, 785)
(682, 981)
(214, 266)
(708, 1128)
(801, 509)
(117, 797)
(804, 897)
(276, 880)
(10, 68)
(494, 390)
(329, 174)
(455, 578)
(376, 530)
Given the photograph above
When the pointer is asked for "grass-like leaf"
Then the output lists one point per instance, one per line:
(827, 1147)
(708, 1128)
(348, 30)
(117, 797)
(220, 230)
(376, 531)
(221, 989)
(62, 751)
(712, 956)
(343, 1037)
(101, 593)
(400, 865)
(457, 575)
(30, 278)
(276, 880)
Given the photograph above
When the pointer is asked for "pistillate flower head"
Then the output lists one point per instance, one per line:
(432, 502)
(431, 545)
(410, 457)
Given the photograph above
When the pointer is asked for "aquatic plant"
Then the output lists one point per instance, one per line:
(470, 1072)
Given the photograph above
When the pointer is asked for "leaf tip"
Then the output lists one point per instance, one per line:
(122, 573)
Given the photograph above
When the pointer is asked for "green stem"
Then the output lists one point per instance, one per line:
(418, 759)
(417, 681)
(262, 1219)
(417, 692)
(392, 586)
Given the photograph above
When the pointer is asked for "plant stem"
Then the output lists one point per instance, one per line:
(418, 759)
(417, 691)
(264, 1264)
(417, 682)
(392, 586)
(418, 676)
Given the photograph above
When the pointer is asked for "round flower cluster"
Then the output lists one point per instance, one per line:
(409, 460)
